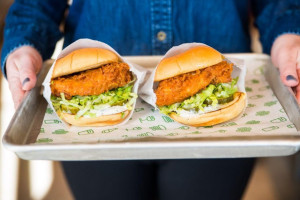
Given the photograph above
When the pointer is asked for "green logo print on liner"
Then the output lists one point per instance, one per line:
(172, 134)
(291, 126)
(52, 121)
(279, 120)
(134, 128)
(138, 109)
(167, 119)
(250, 105)
(253, 122)
(282, 110)
(184, 127)
(42, 130)
(258, 96)
(229, 124)
(60, 131)
(49, 111)
(221, 131)
(248, 89)
(270, 103)
(44, 140)
(195, 132)
(86, 132)
(146, 134)
(262, 113)
(158, 128)
(149, 119)
(244, 129)
(252, 81)
(109, 130)
(271, 128)
(264, 88)
(259, 70)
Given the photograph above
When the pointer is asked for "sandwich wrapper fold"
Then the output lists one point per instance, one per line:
(147, 90)
(138, 71)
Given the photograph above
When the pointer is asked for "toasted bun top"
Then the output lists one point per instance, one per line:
(83, 59)
(195, 58)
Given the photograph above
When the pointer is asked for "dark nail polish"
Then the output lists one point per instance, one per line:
(25, 81)
(290, 78)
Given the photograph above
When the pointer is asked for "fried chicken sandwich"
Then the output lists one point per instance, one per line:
(92, 87)
(196, 88)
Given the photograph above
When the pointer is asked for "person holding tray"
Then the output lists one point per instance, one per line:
(150, 28)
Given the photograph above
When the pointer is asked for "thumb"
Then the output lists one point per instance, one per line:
(288, 73)
(285, 59)
(28, 67)
(284, 55)
(27, 77)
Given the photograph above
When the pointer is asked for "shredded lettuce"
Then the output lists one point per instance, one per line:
(82, 105)
(212, 95)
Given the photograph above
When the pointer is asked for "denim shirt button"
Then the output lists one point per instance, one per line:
(161, 35)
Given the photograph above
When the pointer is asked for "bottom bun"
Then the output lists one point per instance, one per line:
(227, 112)
(104, 120)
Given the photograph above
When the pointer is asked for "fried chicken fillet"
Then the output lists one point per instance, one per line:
(181, 87)
(93, 81)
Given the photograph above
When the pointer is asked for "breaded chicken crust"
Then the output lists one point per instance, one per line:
(181, 87)
(93, 81)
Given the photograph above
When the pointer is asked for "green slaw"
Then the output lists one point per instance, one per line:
(211, 96)
(84, 105)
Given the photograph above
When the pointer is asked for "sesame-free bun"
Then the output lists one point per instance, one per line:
(83, 59)
(104, 120)
(226, 112)
(195, 58)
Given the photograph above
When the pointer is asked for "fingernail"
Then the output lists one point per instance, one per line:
(25, 81)
(290, 78)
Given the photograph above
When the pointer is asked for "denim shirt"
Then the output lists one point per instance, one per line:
(148, 27)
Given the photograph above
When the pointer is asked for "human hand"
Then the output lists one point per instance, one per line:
(22, 65)
(285, 54)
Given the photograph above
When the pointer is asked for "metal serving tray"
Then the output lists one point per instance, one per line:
(25, 126)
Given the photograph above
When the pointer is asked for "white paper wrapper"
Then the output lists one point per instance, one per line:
(147, 90)
(138, 71)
